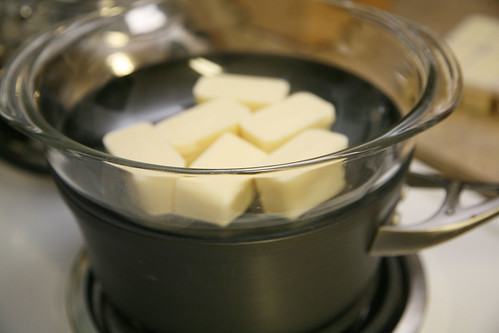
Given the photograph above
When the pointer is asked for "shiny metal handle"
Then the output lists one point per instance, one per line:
(450, 220)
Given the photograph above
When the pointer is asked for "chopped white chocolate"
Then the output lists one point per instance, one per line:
(192, 131)
(291, 193)
(253, 91)
(219, 199)
(141, 142)
(272, 126)
(229, 151)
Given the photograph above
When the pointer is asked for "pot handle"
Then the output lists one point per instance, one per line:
(450, 220)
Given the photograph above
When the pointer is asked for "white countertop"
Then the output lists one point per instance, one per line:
(39, 242)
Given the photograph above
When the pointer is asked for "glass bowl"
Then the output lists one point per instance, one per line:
(388, 80)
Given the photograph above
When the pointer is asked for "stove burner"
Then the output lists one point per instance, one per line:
(398, 306)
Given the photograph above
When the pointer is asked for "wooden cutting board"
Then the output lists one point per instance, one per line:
(466, 144)
(463, 145)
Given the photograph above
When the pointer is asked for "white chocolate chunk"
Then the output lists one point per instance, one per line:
(229, 151)
(142, 143)
(192, 131)
(293, 192)
(219, 199)
(253, 91)
(272, 126)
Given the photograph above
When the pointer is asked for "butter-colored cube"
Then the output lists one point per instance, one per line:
(219, 199)
(274, 125)
(142, 143)
(291, 193)
(253, 91)
(193, 130)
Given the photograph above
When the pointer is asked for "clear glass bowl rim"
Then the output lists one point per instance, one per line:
(17, 91)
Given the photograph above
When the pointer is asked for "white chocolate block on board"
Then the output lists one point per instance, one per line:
(193, 130)
(475, 42)
(253, 91)
(219, 199)
(291, 193)
(142, 143)
(272, 126)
